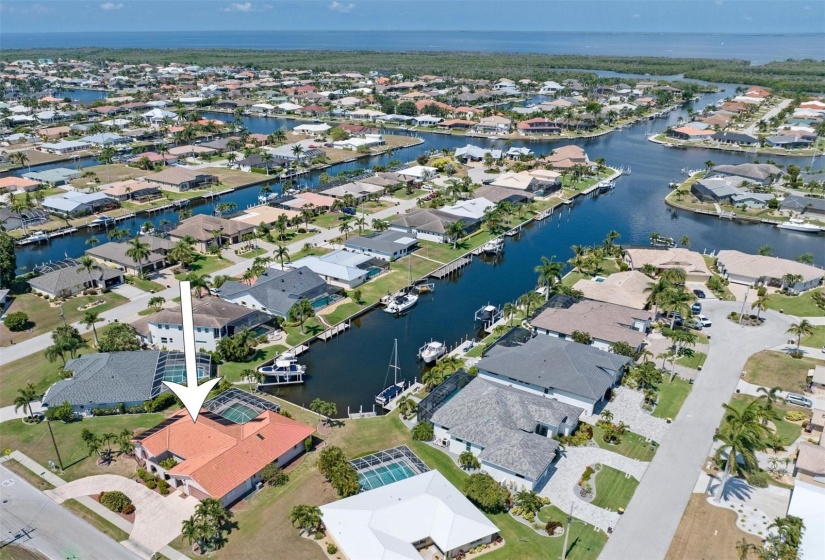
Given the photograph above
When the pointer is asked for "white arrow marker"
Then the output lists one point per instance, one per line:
(191, 394)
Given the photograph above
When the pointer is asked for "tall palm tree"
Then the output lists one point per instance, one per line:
(24, 398)
(182, 252)
(90, 317)
(509, 310)
(675, 300)
(88, 264)
(306, 518)
(280, 252)
(549, 271)
(306, 310)
(93, 241)
(656, 291)
(138, 251)
(298, 151)
(455, 230)
(528, 301)
(198, 282)
(361, 222)
(742, 434)
(676, 275)
(761, 304)
(611, 236)
(800, 329)
(345, 228)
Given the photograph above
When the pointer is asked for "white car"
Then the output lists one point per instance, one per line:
(704, 320)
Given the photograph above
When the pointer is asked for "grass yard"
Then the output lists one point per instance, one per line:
(693, 361)
(296, 335)
(572, 277)
(109, 174)
(232, 370)
(104, 526)
(35, 442)
(631, 445)
(330, 220)
(777, 369)
(401, 194)
(143, 284)
(613, 488)
(816, 340)
(204, 265)
(671, 398)
(46, 317)
(341, 312)
(374, 206)
(800, 306)
(788, 431)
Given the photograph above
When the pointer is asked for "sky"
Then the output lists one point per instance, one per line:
(614, 16)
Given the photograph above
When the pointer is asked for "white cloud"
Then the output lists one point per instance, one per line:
(110, 6)
(246, 7)
(339, 7)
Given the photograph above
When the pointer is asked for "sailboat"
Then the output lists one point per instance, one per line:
(387, 395)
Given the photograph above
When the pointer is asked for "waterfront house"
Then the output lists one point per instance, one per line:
(132, 189)
(53, 177)
(805, 205)
(471, 152)
(430, 225)
(539, 125)
(573, 373)
(114, 254)
(565, 157)
(534, 180)
(764, 173)
(386, 245)
(214, 320)
(727, 190)
(791, 141)
(256, 161)
(310, 199)
(286, 152)
(109, 379)
(75, 203)
(509, 430)
(104, 139)
(622, 288)
(312, 129)
(221, 456)
(340, 268)
(606, 323)
(18, 184)
(760, 270)
(11, 220)
(664, 258)
(690, 133)
(358, 190)
(64, 147)
(181, 179)
(735, 138)
(423, 515)
(498, 194)
(276, 291)
(206, 230)
(493, 125)
(71, 279)
(474, 208)
(418, 173)
(154, 158)
(356, 142)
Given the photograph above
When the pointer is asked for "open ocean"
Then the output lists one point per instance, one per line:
(759, 49)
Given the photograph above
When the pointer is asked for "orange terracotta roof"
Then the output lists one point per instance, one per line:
(220, 456)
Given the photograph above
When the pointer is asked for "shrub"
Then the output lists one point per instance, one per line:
(130, 508)
(423, 431)
(115, 501)
(17, 321)
(168, 463)
(797, 354)
(758, 479)
(581, 436)
(486, 493)
(162, 401)
(794, 416)
(761, 291)
(331, 548)
(163, 487)
(552, 526)
(152, 483)
(468, 460)
(273, 475)
(588, 472)
(733, 316)
(62, 413)
(308, 444)
(142, 474)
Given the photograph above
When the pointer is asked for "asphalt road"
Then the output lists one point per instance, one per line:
(43, 525)
(654, 513)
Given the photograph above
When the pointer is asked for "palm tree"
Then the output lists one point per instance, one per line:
(656, 291)
(677, 301)
(88, 264)
(800, 329)
(306, 518)
(361, 222)
(107, 154)
(549, 272)
(89, 319)
(455, 230)
(297, 151)
(345, 228)
(182, 253)
(198, 282)
(528, 300)
(93, 241)
(676, 276)
(611, 236)
(685, 241)
(137, 251)
(761, 304)
(20, 158)
(791, 280)
(280, 252)
(509, 310)
(741, 435)
(253, 375)
(24, 398)
(432, 378)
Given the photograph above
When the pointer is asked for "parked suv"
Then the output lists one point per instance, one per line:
(704, 320)
(696, 308)
(799, 400)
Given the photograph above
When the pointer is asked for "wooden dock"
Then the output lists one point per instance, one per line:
(408, 392)
(451, 267)
(333, 331)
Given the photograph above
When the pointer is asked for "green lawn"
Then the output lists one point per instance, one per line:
(254, 253)
(572, 277)
(330, 220)
(631, 445)
(35, 442)
(296, 335)
(401, 194)
(46, 317)
(232, 370)
(613, 488)
(694, 361)
(204, 265)
(143, 284)
(778, 369)
(317, 251)
(800, 306)
(788, 431)
(671, 398)
(342, 312)
(816, 340)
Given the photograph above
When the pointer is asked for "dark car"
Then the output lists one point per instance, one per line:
(699, 293)
(348, 210)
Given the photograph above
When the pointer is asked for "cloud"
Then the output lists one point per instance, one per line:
(246, 7)
(110, 6)
(339, 7)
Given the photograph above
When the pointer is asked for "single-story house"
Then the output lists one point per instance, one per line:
(103, 139)
(257, 161)
(539, 125)
(108, 379)
(430, 225)
(356, 142)
(808, 503)
(75, 203)
(218, 457)
(758, 270)
(791, 141)
(622, 288)
(201, 228)
(311, 199)
(19, 184)
(65, 146)
(360, 191)
(473, 208)
(418, 172)
(471, 152)
(498, 194)
(266, 214)
(131, 188)
(312, 129)
(73, 279)
(493, 125)
(573, 373)
(764, 173)
(340, 268)
(735, 138)
(510, 431)
(690, 133)
(309, 150)
(398, 520)
(54, 177)
(213, 317)
(180, 179)
(386, 245)
(664, 258)
(804, 204)
(606, 323)
(276, 291)
(531, 181)
(114, 254)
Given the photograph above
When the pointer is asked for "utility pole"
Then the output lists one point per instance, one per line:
(567, 532)
(51, 433)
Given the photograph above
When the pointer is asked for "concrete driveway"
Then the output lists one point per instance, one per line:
(157, 518)
(653, 515)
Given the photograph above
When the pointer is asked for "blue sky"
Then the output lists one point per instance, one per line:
(659, 16)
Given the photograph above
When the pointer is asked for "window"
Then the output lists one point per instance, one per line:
(164, 340)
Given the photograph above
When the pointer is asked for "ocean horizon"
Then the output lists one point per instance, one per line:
(757, 48)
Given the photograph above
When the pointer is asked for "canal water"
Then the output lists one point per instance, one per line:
(354, 366)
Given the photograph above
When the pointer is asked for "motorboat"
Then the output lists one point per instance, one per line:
(391, 391)
(431, 351)
(606, 186)
(102, 220)
(663, 242)
(401, 302)
(798, 224)
(36, 237)
(493, 247)
(283, 366)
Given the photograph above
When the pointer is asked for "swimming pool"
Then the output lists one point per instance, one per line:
(385, 467)
(383, 475)
(238, 413)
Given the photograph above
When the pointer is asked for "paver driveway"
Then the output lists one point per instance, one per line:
(157, 518)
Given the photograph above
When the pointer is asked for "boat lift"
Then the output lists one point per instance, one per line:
(488, 315)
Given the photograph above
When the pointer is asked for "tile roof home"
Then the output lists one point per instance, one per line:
(808, 503)
(392, 522)
(663, 258)
(811, 459)
(17, 184)
(218, 458)
(622, 288)
(429, 224)
(690, 133)
(180, 178)
(744, 268)
(605, 322)
(200, 227)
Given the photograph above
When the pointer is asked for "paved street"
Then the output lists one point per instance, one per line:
(653, 515)
(51, 529)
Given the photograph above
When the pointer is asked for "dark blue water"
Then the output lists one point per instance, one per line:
(756, 48)
(81, 94)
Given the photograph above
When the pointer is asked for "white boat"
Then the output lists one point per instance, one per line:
(283, 366)
(400, 302)
(798, 224)
(431, 351)
(36, 237)
(391, 391)
(493, 247)
(103, 219)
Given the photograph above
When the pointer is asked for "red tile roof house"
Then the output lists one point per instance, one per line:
(539, 125)
(216, 457)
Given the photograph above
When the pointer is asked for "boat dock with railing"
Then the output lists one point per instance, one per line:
(448, 269)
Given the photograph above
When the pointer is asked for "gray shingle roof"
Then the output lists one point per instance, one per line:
(550, 362)
(385, 242)
(71, 277)
(277, 290)
(502, 420)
